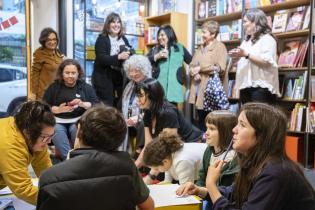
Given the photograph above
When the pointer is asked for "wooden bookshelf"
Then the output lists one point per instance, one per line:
(298, 133)
(284, 5)
(292, 34)
(222, 18)
(287, 104)
(234, 41)
(292, 69)
(178, 21)
(292, 100)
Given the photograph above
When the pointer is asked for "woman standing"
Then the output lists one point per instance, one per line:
(168, 57)
(23, 141)
(46, 60)
(210, 57)
(111, 48)
(257, 70)
(137, 68)
(69, 97)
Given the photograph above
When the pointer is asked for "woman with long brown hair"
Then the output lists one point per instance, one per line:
(268, 179)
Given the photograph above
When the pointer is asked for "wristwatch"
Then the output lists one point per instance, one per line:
(247, 56)
(152, 176)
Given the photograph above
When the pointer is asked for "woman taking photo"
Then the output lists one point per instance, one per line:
(23, 141)
(46, 60)
(160, 115)
(69, 97)
(257, 69)
(111, 49)
(137, 69)
(167, 58)
(268, 179)
(210, 57)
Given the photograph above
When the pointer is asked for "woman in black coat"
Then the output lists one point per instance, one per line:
(111, 48)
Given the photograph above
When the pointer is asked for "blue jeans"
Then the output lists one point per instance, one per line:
(64, 134)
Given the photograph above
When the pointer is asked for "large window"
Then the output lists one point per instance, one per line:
(13, 85)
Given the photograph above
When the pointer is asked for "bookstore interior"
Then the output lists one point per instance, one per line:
(292, 23)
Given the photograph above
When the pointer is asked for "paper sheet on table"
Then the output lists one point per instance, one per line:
(22, 205)
(6, 190)
(164, 195)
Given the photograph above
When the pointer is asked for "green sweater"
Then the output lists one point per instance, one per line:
(228, 172)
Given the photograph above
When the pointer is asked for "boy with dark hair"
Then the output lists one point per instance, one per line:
(96, 176)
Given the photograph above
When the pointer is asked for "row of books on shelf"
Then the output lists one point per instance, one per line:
(293, 88)
(211, 8)
(310, 120)
(261, 3)
(302, 118)
(293, 53)
(228, 31)
(290, 20)
(298, 115)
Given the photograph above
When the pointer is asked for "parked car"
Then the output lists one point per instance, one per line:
(13, 88)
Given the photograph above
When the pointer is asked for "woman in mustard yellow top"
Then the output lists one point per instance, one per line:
(46, 60)
(23, 141)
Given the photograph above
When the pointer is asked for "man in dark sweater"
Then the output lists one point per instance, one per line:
(96, 176)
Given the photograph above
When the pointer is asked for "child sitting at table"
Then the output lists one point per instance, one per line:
(218, 137)
(180, 161)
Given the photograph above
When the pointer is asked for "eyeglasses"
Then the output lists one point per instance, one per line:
(46, 138)
(68, 74)
(51, 40)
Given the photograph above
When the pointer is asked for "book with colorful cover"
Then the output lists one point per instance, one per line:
(288, 56)
(264, 2)
(303, 51)
(280, 21)
(295, 19)
(307, 17)
(212, 8)
(202, 10)
(220, 7)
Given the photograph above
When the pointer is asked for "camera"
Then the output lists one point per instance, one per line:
(124, 48)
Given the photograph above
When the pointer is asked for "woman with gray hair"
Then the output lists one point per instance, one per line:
(137, 68)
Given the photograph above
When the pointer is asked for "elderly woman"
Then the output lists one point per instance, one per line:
(46, 60)
(210, 56)
(137, 68)
(23, 141)
(69, 96)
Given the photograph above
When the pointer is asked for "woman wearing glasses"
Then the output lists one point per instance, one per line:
(23, 141)
(45, 63)
(69, 96)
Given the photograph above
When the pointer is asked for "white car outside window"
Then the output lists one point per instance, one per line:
(13, 86)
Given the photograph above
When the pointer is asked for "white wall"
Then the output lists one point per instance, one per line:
(44, 13)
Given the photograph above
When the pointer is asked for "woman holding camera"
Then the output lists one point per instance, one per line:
(69, 96)
(167, 58)
(111, 49)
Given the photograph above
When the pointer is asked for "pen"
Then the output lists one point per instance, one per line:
(228, 149)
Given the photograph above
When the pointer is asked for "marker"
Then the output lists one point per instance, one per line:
(228, 149)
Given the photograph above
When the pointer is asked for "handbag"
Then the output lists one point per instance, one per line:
(214, 95)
